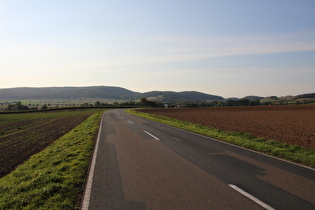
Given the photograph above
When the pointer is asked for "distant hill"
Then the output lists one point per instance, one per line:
(66, 93)
(232, 98)
(307, 95)
(169, 96)
(105, 92)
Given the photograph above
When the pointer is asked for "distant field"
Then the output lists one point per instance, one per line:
(22, 135)
(58, 102)
(293, 124)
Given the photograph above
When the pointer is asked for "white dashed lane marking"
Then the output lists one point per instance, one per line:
(156, 138)
(259, 202)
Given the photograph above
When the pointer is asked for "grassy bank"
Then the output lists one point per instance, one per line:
(289, 152)
(53, 178)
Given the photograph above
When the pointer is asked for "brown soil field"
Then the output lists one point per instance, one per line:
(293, 124)
(20, 139)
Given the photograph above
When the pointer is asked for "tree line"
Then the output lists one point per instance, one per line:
(144, 102)
(18, 106)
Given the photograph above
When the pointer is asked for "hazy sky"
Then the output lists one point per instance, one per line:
(222, 47)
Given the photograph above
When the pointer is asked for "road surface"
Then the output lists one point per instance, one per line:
(141, 164)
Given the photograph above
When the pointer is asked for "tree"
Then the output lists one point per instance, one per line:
(230, 103)
(97, 103)
(45, 106)
(143, 101)
(17, 107)
(243, 102)
(255, 103)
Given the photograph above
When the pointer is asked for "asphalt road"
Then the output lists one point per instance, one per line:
(141, 164)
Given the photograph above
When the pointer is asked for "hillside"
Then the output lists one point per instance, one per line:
(105, 92)
(67, 93)
(306, 95)
(169, 96)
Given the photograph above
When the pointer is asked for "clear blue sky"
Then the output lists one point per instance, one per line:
(222, 47)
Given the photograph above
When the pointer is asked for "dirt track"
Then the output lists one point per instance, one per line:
(288, 124)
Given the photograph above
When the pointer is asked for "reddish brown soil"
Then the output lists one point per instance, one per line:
(32, 136)
(289, 124)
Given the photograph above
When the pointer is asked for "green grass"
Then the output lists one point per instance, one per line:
(53, 178)
(286, 151)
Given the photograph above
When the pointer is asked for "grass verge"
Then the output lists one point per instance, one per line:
(53, 178)
(286, 151)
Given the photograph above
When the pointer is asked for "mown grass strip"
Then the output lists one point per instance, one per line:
(286, 151)
(53, 178)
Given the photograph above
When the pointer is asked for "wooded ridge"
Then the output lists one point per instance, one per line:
(107, 92)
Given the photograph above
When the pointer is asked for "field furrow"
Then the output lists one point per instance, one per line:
(287, 124)
(33, 135)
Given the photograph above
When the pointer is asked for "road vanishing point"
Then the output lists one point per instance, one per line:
(141, 164)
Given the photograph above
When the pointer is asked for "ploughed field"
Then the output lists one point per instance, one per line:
(288, 124)
(25, 134)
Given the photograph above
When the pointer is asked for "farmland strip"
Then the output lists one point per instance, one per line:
(19, 146)
(28, 127)
(287, 124)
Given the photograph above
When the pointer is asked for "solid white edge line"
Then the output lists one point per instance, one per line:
(152, 135)
(259, 202)
(88, 187)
